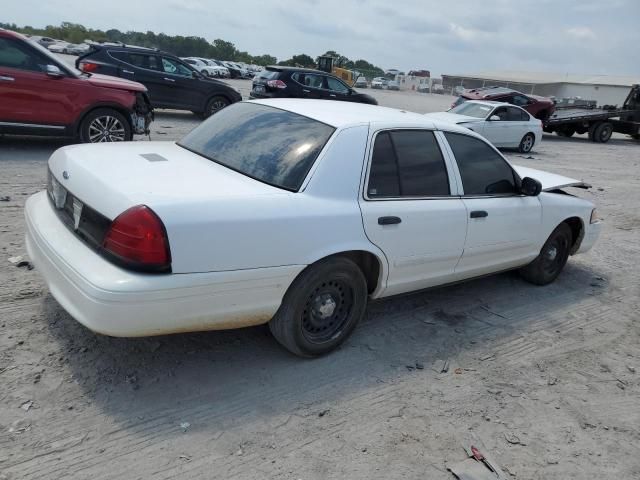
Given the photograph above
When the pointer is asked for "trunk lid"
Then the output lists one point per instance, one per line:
(550, 181)
(114, 177)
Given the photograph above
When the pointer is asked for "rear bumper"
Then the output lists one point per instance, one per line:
(113, 301)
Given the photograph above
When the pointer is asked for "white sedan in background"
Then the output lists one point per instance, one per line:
(291, 212)
(503, 124)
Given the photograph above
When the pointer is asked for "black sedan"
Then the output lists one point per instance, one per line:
(290, 82)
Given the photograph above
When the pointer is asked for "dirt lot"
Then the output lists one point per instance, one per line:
(547, 378)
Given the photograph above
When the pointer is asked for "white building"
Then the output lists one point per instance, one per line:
(605, 89)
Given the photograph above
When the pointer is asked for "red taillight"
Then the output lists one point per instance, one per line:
(276, 84)
(138, 240)
(88, 67)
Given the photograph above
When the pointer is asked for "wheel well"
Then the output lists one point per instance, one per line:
(123, 111)
(577, 232)
(368, 263)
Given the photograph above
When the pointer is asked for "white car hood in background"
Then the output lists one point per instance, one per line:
(549, 181)
(453, 117)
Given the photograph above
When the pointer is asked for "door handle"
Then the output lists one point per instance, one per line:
(6, 79)
(478, 214)
(389, 220)
(332, 95)
(129, 72)
(306, 91)
(169, 79)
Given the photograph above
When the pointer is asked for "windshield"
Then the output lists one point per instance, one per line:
(469, 109)
(265, 143)
(54, 60)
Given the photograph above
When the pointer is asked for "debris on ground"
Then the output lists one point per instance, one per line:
(15, 260)
(26, 405)
(419, 366)
(20, 426)
(513, 439)
(458, 371)
(323, 413)
(186, 458)
(5, 198)
(20, 262)
(479, 466)
(441, 366)
(185, 426)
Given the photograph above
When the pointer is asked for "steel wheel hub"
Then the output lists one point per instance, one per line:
(552, 253)
(327, 310)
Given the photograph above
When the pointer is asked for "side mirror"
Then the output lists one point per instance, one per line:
(494, 118)
(53, 71)
(530, 187)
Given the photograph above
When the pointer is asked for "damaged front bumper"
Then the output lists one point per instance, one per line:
(142, 115)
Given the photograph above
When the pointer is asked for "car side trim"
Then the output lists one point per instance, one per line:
(32, 125)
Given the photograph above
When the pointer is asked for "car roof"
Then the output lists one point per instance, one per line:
(345, 114)
(284, 68)
(488, 92)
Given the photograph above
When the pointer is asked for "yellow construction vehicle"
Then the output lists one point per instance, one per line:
(327, 64)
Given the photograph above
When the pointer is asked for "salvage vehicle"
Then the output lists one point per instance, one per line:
(292, 82)
(40, 95)
(504, 125)
(379, 82)
(202, 66)
(540, 107)
(172, 83)
(599, 123)
(292, 212)
(361, 82)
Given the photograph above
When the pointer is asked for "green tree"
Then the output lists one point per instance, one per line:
(302, 60)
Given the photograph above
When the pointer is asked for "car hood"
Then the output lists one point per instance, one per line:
(108, 81)
(549, 181)
(453, 117)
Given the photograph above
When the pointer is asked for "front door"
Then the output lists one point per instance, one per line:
(177, 86)
(337, 90)
(503, 225)
(312, 85)
(410, 210)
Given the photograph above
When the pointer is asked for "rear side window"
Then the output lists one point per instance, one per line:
(271, 145)
(407, 163)
(517, 115)
(140, 60)
(483, 170)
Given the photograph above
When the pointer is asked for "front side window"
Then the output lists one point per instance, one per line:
(273, 146)
(175, 68)
(337, 85)
(483, 170)
(407, 163)
(14, 54)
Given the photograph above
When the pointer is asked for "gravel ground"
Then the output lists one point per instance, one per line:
(546, 378)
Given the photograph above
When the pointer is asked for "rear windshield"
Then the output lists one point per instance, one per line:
(459, 101)
(268, 74)
(477, 110)
(271, 145)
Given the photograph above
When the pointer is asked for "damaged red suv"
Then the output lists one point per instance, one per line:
(540, 107)
(39, 95)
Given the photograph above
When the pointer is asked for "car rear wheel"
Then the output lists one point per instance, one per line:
(214, 105)
(105, 125)
(321, 308)
(552, 259)
(527, 142)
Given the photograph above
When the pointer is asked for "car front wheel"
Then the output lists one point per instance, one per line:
(321, 308)
(527, 142)
(105, 125)
(552, 258)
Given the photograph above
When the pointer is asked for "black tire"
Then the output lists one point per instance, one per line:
(321, 308)
(527, 143)
(592, 131)
(105, 125)
(603, 133)
(552, 259)
(215, 104)
(566, 132)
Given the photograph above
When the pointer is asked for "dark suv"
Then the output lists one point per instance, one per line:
(171, 82)
(290, 82)
(539, 107)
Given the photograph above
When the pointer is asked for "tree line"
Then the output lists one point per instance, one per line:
(182, 46)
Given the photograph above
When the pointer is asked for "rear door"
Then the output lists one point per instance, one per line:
(410, 209)
(503, 225)
(518, 125)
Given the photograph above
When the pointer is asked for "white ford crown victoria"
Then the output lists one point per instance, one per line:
(292, 212)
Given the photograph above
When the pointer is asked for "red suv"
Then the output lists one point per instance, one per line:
(539, 107)
(40, 95)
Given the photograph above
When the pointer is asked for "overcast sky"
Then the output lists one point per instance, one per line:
(459, 36)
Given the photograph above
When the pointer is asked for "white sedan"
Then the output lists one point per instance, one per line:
(291, 212)
(503, 124)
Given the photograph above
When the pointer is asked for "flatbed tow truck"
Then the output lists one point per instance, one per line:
(599, 123)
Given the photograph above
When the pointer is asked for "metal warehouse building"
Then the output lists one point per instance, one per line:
(605, 89)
